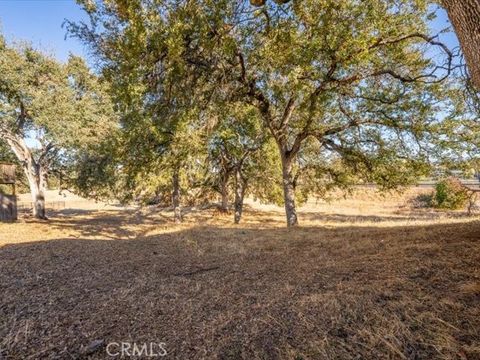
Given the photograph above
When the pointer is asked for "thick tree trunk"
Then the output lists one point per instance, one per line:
(465, 17)
(37, 182)
(240, 185)
(177, 210)
(289, 191)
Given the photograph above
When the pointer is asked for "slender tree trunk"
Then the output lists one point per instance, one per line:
(465, 17)
(289, 191)
(177, 210)
(240, 187)
(224, 192)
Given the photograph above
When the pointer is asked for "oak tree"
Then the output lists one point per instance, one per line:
(354, 77)
(47, 109)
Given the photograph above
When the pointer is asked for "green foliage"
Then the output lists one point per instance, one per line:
(50, 112)
(140, 47)
(458, 143)
(450, 194)
(6, 155)
(61, 102)
(341, 92)
(96, 172)
(236, 140)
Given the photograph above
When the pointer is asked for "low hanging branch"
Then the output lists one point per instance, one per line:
(472, 197)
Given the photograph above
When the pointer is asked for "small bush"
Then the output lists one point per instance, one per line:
(450, 194)
(422, 201)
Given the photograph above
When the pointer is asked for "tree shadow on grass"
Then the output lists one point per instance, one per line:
(112, 224)
(241, 292)
(135, 223)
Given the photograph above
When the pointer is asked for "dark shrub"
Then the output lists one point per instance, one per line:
(422, 201)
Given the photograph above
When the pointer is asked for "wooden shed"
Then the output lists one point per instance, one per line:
(8, 202)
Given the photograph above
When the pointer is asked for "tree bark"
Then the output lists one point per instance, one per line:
(177, 210)
(35, 172)
(240, 187)
(224, 192)
(465, 17)
(289, 190)
(37, 182)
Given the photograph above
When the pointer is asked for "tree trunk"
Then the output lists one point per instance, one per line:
(289, 191)
(37, 181)
(224, 192)
(177, 210)
(35, 172)
(240, 186)
(465, 17)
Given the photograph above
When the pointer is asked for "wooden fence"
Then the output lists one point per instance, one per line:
(26, 206)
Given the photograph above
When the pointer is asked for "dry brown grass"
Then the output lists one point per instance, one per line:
(362, 278)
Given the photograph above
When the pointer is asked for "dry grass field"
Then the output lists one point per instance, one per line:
(363, 277)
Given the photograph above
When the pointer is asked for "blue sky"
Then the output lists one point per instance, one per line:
(40, 22)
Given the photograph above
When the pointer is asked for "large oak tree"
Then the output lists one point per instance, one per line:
(354, 78)
(47, 109)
